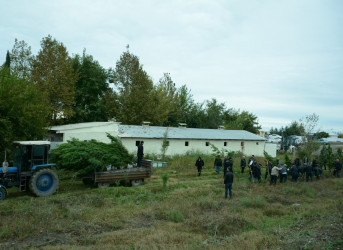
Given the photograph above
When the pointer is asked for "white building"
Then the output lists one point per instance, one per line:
(180, 139)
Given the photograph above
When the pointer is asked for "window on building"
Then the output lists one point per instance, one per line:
(256, 143)
(207, 144)
(242, 143)
(225, 143)
(186, 143)
(168, 143)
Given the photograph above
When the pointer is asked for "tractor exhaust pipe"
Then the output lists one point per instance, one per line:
(5, 165)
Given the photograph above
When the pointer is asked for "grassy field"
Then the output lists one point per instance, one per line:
(189, 213)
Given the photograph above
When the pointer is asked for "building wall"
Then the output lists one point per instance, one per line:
(270, 148)
(154, 146)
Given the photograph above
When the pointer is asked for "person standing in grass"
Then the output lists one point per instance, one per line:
(218, 164)
(338, 167)
(283, 175)
(294, 173)
(309, 173)
(269, 167)
(199, 164)
(140, 154)
(274, 174)
(228, 165)
(243, 163)
(228, 180)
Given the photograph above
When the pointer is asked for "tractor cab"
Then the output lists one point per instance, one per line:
(30, 154)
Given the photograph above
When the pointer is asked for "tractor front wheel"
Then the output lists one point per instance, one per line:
(44, 182)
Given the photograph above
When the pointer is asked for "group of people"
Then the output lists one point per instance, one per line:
(276, 170)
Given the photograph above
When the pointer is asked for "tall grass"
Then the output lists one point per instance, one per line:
(189, 213)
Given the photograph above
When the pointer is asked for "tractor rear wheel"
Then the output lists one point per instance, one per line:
(2, 194)
(44, 182)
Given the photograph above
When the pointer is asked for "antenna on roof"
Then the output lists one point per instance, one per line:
(145, 123)
(182, 125)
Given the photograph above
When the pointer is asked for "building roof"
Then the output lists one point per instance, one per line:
(79, 125)
(156, 132)
(32, 142)
(134, 131)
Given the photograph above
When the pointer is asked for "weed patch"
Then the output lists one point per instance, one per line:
(253, 202)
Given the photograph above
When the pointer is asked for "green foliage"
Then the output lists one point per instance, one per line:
(287, 161)
(321, 134)
(8, 60)
(339, 154)
(90, 90)
(294, 128)
(22, 111)
(165, 178)
(134, 91)
(175, 216)
(254, 202)
(241, 120)
(21, 60)
(83, 157)
(268, 156)
(309, 123)
(165, 98)
(165, 144)
(53, 73)
(217, 152)
(323, 157)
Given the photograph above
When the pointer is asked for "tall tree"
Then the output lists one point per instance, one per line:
(185, 104)
(241, 120)
(21, 59)
(214, 114)
(8, 60)
(134, 90)
(309, 123)
(166, 99)
(22, 111)
(90, 90)
(52, 72)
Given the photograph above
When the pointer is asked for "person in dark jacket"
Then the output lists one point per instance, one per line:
(309, 173)
(228, 165)
(256, 172)
(338, 167)
(269, 167)
(294, 173)
(297, 162)
(140, 154)
(199, 164)
(228, 180)
(218, 164)
(243, 164)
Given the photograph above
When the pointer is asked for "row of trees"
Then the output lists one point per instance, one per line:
(53, 88)
(296, 128)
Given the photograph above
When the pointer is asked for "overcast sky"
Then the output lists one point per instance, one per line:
(278, 59)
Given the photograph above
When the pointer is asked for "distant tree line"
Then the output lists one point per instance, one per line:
(54, 88)
(296, 128)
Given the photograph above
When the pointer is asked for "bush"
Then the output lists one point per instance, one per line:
(165, 178)
(84, 157)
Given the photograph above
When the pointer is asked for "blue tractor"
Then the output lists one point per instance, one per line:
(30, 170)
